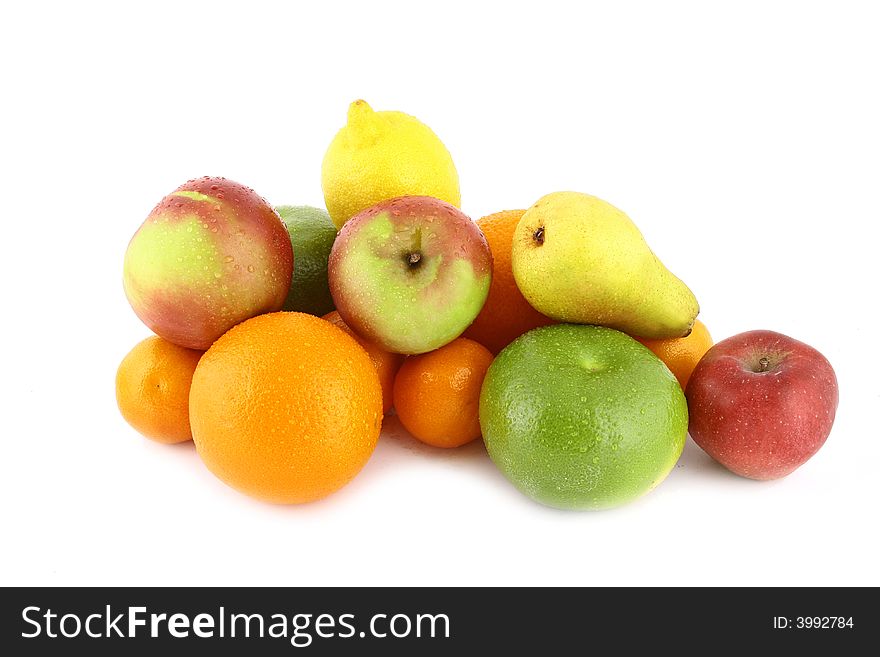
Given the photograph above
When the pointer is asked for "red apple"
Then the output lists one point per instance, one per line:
(761, 403)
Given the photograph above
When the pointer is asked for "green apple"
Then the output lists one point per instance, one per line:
(410, 273)
(582, 417)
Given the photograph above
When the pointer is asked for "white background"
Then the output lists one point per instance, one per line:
(743, 141)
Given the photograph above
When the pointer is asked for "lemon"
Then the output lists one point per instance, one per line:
(382, 155)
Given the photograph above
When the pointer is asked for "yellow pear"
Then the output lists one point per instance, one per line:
(579, 259)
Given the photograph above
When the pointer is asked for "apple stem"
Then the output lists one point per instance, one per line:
(763, 364)
(539, 235)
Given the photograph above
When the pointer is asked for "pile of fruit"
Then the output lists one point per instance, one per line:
(285, 335)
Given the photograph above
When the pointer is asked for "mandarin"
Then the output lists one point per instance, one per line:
(506, 314)
(386, 362)
(681, 355)
(152, 389)
(437, 394)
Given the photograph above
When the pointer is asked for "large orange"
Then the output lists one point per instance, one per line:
(386, 362)
(152, 389)
(437, 394)
(285, 407)
(506, 314)
(681, 355)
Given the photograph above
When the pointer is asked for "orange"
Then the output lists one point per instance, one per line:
(506, 314)
(385, 362)
(152, 389)
(681, 355)
(285, 407)
(437, 394)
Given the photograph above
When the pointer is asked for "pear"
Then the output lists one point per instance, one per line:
(579, 259)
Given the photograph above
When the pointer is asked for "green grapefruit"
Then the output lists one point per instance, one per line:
(582, 417)
(311, 234)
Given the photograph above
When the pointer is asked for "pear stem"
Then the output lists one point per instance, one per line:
(539, 236)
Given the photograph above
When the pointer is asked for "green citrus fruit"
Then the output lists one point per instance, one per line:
(582, 417)
(382, 155)
(311, 234)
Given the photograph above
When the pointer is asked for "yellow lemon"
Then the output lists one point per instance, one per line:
(382, 155)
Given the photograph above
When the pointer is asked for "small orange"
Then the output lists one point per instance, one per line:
(437, 394)
(152, 389)
(681, 355)
(506, 314)
(285, 407)
(386, 362)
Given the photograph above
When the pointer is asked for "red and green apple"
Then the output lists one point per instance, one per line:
(210, 255)
(410, 273)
